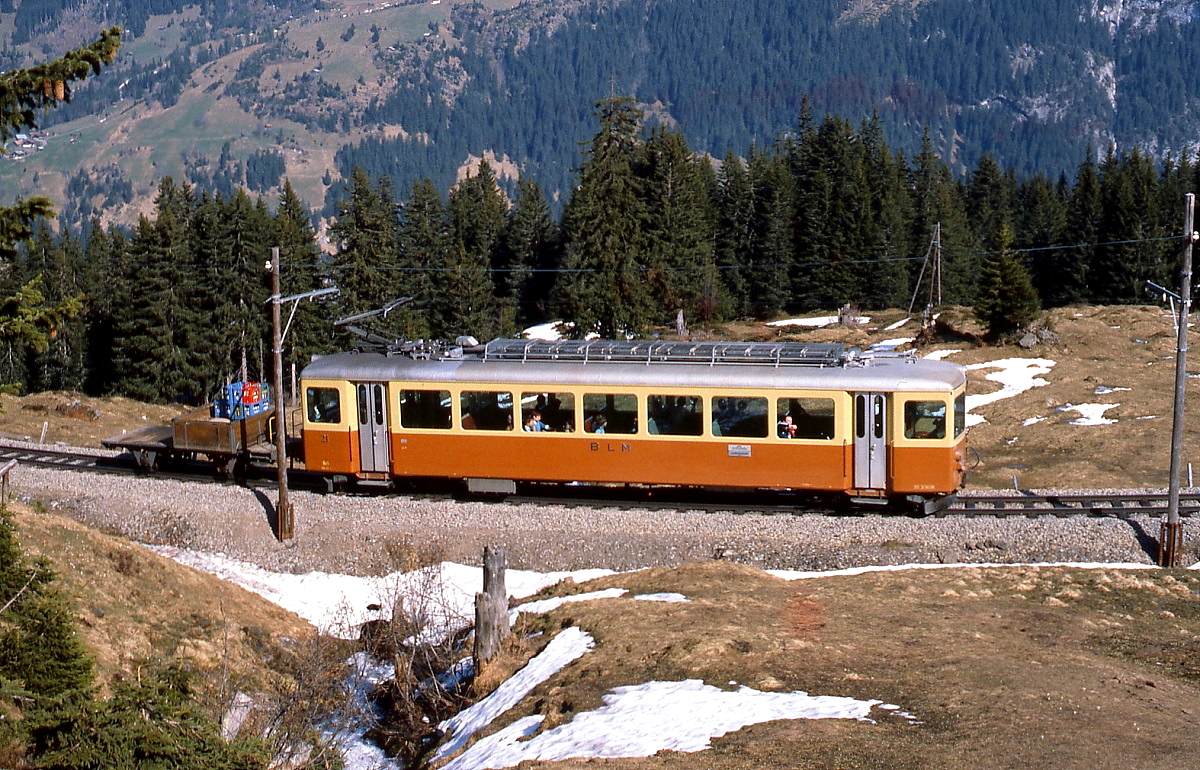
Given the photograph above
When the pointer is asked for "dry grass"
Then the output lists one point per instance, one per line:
(1003, 668)
(135, 606)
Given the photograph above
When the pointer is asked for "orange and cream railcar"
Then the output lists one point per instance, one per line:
(732, 415)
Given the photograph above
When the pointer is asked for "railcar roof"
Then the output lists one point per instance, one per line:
(880, 373)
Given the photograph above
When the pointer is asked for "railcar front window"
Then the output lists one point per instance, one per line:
(739, 416)
(811, 418)
(556, 410)
(610, 413)
(960, 414)
(487, 410)
(425, 409)
(675, 415)
(324, 404)
(925, 419)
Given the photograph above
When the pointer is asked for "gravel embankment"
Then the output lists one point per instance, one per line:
(374, 535)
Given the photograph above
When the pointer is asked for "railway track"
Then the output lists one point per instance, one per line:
(1108, 503)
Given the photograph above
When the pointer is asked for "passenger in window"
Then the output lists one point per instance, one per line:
(787, 427)
(598, 423)
(534, 422)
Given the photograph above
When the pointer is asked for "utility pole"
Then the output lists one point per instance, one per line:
(284, 524)
(1170, 538)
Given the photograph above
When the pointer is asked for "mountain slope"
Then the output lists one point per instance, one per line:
(417, 89)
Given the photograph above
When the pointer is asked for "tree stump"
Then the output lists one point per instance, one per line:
(491, 608)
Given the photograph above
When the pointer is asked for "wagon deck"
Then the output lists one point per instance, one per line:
(224, 441)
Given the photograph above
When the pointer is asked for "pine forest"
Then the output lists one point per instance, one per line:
(828, 214)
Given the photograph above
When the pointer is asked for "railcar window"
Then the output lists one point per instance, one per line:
(924, 419)
(487, 410)
(425, 409)
(610, 413)
(739, 416)
(806, 417)
(324, 404)
(557, 410)
(960, 414)
(675, 415)
(364, 417)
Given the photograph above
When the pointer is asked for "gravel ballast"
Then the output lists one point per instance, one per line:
(376, 534)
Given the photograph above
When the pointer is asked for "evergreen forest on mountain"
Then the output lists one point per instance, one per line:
(221, 95)
(828, 215)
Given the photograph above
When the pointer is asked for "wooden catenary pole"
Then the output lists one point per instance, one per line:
(284, 524)
(1170, 539)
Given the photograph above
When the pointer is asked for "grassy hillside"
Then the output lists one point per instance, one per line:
(135, 606)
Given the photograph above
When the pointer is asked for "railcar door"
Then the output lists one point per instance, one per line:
(870, 440)
(372, 426)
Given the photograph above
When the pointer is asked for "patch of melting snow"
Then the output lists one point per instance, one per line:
(642, 720)
(568, 645)
(1090, 414)
(885, 346)
(1016, 376)
(662, 597)
(938, 355)
(816, 322)
(1033, 421)
(546, 605)
(897, 325)
(1103, 389)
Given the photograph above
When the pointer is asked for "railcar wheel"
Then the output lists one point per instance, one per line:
(147, 460)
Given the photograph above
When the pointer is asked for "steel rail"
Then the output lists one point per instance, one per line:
(1032, 504)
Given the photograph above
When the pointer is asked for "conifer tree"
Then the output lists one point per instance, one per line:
(151, 358)
(424, 243)
(477, 211)
(102, 285)
(1064, 276)
(366, 234)
(937, 200)
(772, 187)
(41, 657)
(1128, 189)
(26, 318)
(59, 261)
(883, 279)
(990, 201)
(734, 239)
(301, 268)
(1043, 225)
(679, 237)
(1007, 300)
(606, 289)
(529, 248)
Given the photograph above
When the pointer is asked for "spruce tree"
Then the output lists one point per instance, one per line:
(477, 211)
(301, 269)
(366, 235)
(1065, 275)
(772, 189)
(27, 318)
(606, 290)
(41, 656)
(424, 243)
(883, 279)
(102, 286)
(679, 236)
(1043, 227)
(1007, 300)
(734, 237)
(530, 255)
(59, 261)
